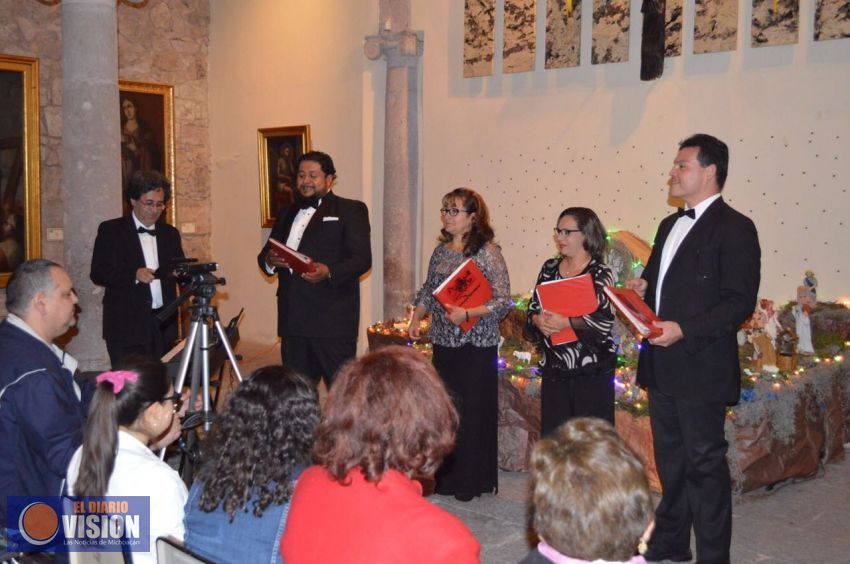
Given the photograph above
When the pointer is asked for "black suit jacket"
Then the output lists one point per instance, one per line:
(127, 304)
(338, 235)
(710, 288)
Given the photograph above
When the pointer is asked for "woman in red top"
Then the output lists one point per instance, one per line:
(388, 420)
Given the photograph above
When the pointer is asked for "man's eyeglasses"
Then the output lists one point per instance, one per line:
(452, 211)
(177, 399)
(152, 204)
(565, 231)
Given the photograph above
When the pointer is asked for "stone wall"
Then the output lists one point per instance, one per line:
(166, 42)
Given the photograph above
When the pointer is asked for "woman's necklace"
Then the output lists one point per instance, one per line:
(567, 270)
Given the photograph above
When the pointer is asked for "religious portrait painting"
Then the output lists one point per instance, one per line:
(147, 133)
(20, 215)
(279, 149)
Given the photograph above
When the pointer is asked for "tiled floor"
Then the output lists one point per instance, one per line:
(801, 523)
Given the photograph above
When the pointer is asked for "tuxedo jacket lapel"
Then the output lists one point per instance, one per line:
(696, 233)
(133, 244)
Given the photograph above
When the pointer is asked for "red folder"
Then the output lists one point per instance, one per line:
(634, 310)
(466, 287)
(298, 262)
(570, 297)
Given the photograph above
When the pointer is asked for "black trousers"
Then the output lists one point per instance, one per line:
(588, 392)
(471, 377)
(155, 344)
(317, 357)
(690, 452)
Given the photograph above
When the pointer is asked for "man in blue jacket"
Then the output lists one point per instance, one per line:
(42, 405)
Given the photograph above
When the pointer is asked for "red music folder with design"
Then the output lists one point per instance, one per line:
(298, 262)
(570, 297)
(466, 287)
(635, 310)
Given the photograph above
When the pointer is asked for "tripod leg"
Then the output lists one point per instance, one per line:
(184, 365)
(229, 349)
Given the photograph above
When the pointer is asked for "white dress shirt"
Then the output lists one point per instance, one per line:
(151, 261)
(296, 232)
(140, 472)
(680, 230)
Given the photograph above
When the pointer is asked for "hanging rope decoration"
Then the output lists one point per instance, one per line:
(652, 40)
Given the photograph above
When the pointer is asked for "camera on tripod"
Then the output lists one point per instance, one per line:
(191, 268)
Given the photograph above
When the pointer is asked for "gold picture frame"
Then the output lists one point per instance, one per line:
(20, 188)
(277, 167)
(147, 135)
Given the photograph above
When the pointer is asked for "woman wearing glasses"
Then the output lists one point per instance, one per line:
(577, 376)
(467, 361)
(134, 409)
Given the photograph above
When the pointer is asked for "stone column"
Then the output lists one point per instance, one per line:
(91, 151)
(402, 50)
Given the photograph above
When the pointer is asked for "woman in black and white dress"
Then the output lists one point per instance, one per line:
(578, 377)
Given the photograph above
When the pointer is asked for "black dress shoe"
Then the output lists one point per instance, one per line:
(464, 496)
(654, 555)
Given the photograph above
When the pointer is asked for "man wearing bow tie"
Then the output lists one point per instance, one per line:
(319, 312)
(132, 259)
(702, 280)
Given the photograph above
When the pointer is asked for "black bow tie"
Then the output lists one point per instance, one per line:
(151, 232)
(690, 213)
(306, 203)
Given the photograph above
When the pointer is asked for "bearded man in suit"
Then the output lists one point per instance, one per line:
(133, 259)
(702, 280)
(318, 312)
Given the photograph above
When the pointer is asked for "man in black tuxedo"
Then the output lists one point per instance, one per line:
(702, 280)
(319, 312)
(133, 258)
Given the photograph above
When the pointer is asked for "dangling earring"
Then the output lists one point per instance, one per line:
(642, 547)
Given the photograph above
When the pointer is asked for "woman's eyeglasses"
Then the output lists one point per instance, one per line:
(177, 399)
(565, 231)
(452, 211)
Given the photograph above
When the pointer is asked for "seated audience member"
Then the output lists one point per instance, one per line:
(387, 420)
(591, 498)
(42, 405)
(133, 410)
(257, 448)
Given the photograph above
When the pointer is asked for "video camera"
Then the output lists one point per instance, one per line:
(190, 267)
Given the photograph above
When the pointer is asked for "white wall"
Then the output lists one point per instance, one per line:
(532, 143)
(279, 63)
(597, 136)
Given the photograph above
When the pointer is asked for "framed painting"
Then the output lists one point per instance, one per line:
(147, 135)
(20, 194)
(279, 149)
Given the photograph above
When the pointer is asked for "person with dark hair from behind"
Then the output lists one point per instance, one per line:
(578, 377)
(133, 259)
(43, 403)
(135, 409)
(388, 420)
(591, 497)
(256, 450)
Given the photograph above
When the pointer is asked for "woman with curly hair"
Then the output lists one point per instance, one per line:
(388, 420)
(258, 445)
(467, 361)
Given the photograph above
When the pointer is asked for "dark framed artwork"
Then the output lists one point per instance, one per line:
(20, 194)
(279, 149)
(147, 134)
